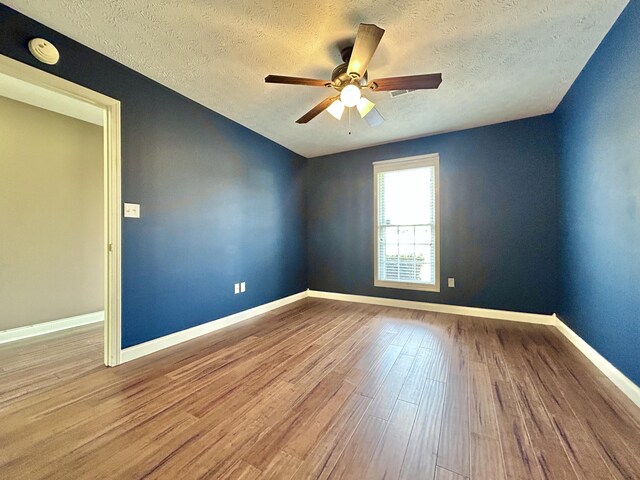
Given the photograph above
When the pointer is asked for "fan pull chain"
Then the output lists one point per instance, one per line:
(349, 120)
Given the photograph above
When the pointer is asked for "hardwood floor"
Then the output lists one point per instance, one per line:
(41, 363)
(319, 389)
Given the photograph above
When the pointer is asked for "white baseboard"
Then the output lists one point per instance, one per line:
(172, 339)
(619, 379)
(439, 308)
(49, 327)
(629, 388)
(176, 338)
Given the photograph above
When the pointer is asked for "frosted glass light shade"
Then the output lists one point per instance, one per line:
(336, 109)
(364, 106)
(350, 95)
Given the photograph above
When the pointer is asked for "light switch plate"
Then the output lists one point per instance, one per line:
(243, 287)
(236, 288)
(451, 282)
(132, 210)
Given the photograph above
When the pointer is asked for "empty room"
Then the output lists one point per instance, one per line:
(319, 240)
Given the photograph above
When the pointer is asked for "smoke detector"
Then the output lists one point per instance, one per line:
(44, 51)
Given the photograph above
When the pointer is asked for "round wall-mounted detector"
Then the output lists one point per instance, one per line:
(44, 51)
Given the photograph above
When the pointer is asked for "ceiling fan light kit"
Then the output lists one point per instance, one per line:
(350, 77)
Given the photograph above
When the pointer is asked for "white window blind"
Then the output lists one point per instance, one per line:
(406, 216)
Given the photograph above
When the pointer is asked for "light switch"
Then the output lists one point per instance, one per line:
(451, 282)
(236, 288)
(243, 287)
(132, 210)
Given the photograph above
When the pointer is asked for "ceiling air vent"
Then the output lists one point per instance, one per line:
(397, 93)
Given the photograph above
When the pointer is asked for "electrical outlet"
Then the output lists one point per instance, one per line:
(243, 287)
(236, 288)
(132, 210)
(451, 282)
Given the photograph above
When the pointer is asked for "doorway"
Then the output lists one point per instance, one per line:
(97, 108)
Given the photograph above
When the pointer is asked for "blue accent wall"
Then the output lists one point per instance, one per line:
(599, 176)
(220, 204)
(499, 215)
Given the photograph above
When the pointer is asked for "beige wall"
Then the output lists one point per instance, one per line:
(51, 216)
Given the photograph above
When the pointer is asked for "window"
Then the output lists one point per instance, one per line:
(406, 209)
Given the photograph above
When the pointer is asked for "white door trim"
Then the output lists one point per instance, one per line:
(112, 189)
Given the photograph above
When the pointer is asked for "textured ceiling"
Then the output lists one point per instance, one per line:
(500, 59)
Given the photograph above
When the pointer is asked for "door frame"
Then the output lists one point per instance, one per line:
(112, 191)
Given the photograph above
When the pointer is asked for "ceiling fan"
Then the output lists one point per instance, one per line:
(350, 78)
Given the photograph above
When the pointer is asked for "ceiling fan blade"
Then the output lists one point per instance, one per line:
(373, 118)
(412, 82)
(309, 82)
(367, 41)
(315, 111)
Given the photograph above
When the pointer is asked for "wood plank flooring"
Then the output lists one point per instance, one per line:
(41, 363)
(319, 390)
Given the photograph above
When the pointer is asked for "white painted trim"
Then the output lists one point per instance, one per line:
(415, 158)
(167, 341)
(31, 94)
(619, 379)
(428, 160)
(438, 307)
(49, 327)
(112, 190)
(113, 235)
(627, 387)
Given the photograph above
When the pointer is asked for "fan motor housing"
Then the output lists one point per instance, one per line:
(339, 77)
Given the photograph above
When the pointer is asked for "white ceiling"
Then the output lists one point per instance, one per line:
(25, 92)
(500, 59)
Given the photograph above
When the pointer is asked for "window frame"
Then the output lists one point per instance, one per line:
(429, 160)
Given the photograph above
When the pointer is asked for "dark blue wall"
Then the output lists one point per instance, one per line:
(600, 196)
(498, 217)
(220, 203)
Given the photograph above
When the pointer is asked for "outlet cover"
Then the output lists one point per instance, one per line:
(236, 288)
(451, 282)
(132, 210)
(243, 287)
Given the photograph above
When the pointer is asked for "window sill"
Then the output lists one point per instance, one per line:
(421, 287)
